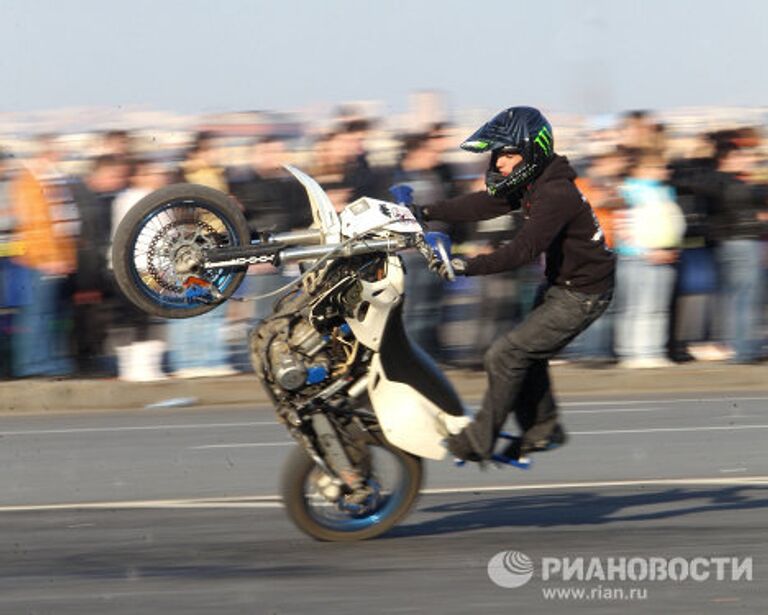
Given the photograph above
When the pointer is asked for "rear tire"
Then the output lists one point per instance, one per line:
(297, 472)
(152, 234)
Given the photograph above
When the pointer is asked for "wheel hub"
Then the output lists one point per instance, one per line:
(187, 259)
(176, 251)
(362, 501)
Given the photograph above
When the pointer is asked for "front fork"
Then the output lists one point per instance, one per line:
(322, 441)
(334, 454)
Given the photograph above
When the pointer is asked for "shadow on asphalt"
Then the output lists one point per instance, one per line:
(581, 508)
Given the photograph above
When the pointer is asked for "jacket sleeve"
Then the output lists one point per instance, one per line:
(549, 213)
(469, 208)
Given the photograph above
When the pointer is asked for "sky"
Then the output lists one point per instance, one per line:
(205, 56)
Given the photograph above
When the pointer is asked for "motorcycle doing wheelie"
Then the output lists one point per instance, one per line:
(363, 403)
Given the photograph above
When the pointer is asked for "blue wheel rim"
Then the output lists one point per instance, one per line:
(349, 522)
(162, 296)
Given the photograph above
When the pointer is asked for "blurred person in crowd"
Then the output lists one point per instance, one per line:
(47, 227)
(739, 209)
(424, 291)
(94, 195)
(501, 300)
(357, 175)
(197, 346)
(640, 132)
(117, 143)
(600, 186)
(9, 271)
(146, 175)
(693, 332)
(525, 173)
(7, 218)
(440, 142)
(648, 238)
(418, 167)
(273, 202)
(472, 310)
(139, 356)
(731, 207)
(328, 161)
(201, 165)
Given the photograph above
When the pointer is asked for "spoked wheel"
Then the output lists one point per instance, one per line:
(158, 250)
(321, 509)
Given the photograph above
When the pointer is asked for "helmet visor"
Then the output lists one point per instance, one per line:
(485, 139)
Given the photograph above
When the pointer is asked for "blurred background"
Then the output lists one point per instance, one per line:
(660, 106)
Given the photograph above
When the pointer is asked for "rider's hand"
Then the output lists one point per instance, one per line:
(421, 212)
(458, 264)
(403, 195)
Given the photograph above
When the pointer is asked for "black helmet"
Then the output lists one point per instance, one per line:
(522, 130)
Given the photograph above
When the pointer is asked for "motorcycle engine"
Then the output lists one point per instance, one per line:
(306, 341)
(299, 359)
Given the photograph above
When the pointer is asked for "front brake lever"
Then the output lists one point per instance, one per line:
(450, 274)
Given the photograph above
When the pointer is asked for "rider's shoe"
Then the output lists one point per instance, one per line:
(461, 448)
(520, 447)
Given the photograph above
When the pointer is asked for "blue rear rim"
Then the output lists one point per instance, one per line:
(153, 239)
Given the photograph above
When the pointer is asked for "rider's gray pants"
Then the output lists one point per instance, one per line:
(517, 366)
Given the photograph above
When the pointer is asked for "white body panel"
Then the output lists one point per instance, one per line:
(378, 300)
(409, 420)
(323, 213)
(367, 215)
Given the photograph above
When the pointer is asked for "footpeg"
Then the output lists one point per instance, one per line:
(523, 463)
(516, 460)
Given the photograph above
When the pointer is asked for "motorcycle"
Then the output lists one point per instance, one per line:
(364, 404)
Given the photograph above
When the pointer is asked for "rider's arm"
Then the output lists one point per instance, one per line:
(549, 213)
(468, 208)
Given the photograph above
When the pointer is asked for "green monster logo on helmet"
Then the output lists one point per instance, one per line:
(476, 146)
(544, 140)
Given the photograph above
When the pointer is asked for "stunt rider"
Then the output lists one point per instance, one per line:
(525, 174)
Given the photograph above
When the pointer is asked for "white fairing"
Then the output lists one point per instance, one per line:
(409, 420)
(377, 301)
(366, 215)
(358, 218)
(323, 213)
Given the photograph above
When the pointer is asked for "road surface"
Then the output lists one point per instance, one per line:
(176, 511)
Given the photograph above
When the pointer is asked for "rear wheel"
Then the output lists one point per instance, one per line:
(158, 250)
(320, 509)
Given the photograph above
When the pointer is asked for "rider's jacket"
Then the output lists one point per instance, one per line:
(558, 221)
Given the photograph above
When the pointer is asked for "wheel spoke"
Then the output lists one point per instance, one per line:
(181, 230)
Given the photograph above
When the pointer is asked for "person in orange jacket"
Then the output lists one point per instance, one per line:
(47, 225)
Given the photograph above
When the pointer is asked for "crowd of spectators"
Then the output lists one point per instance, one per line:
(689, 233)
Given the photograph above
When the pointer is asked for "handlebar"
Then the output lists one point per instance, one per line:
(446, 258)
(273, 251)
(287, 247)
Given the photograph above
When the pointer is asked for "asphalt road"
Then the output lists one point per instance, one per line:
(176, 511)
